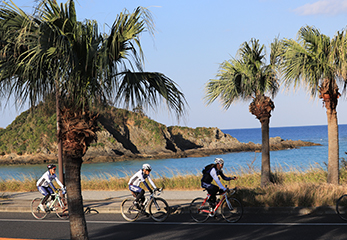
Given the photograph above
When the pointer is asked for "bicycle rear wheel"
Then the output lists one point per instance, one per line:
(341, 207)
(159, 209)
(36, 211)
(62, 211)
(233, 212)
(129, 210)
(199, 210)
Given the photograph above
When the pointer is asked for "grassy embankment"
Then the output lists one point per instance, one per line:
(294, 188)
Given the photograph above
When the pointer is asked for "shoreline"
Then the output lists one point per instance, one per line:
(99, 156)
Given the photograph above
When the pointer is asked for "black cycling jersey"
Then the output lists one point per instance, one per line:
(207, 178)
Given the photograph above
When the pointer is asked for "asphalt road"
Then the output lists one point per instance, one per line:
(113, 226)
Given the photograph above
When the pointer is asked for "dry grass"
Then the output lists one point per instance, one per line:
(13, 185)
(292, 195)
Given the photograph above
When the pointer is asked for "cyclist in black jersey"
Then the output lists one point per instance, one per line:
(211, 173)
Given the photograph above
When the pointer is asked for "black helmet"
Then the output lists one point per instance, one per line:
(50, 166)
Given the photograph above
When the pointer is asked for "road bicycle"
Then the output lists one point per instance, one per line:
(231, 208)
(158, 208)
(341, 207)
(58, 205)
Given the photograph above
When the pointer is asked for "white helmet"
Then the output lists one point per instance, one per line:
(146, 166)
(219, 160)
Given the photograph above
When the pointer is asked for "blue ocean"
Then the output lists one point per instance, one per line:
(300, 159)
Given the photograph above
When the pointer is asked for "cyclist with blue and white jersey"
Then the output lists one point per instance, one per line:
(210, 173)
(134, 184)
(45, 184)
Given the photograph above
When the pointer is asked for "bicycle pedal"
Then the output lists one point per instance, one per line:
(212, 214)
(145, 213)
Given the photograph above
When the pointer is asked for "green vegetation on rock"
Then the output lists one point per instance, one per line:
(32, 131)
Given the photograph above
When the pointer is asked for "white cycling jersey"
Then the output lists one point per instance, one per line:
(139, 177)
(46, 180)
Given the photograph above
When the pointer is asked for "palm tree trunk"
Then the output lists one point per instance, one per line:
(78, 226)
(265, 152)
(333, 146)
(60, 144)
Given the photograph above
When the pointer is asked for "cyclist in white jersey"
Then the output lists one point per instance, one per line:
(134, 184)
(45, 185)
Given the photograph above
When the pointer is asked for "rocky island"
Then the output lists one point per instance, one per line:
(123, 135)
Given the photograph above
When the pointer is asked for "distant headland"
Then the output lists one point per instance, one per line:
(124, 135)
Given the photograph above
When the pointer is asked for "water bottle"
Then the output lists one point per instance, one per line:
(49, 203)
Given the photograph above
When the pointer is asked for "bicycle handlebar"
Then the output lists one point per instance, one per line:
(59, 189)
(159, 190)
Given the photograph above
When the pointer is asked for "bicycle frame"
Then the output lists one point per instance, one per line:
(61, 203)
(224, 196)
(56, 198)
(217, 206)
(152, 198)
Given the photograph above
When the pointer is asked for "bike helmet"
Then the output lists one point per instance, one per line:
(50, 166)
(219, 160)
(146, 166)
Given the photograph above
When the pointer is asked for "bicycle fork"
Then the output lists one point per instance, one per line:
(156, 204)
(61, 203)
(229, 204)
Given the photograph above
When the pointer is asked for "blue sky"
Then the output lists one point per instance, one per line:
(193, 37)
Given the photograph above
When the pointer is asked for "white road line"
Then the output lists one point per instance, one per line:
(32, 220)
(221, 224)
(180, 223)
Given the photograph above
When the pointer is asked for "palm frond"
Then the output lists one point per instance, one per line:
(313, 58)
(146, 89)
(243, 78)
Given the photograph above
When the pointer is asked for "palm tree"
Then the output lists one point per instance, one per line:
(318, 62)
(55, 53)
(249, 78)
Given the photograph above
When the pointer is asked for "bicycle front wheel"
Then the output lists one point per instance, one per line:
(159, 209)
(199, 210)
(61, 208)
(341, 207)
(36, 211)
(129, 210)
(233, 211)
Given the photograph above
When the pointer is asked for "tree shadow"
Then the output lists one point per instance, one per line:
(182, 143)
(185, 228)
(122, 139)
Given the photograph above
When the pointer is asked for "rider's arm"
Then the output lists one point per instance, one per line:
(224, 177)
(51, 185)
(151, 182)
(146, 184)
(216, 179)
(59, 183)
(143, 179)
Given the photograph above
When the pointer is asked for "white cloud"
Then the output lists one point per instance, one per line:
(325, 7)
